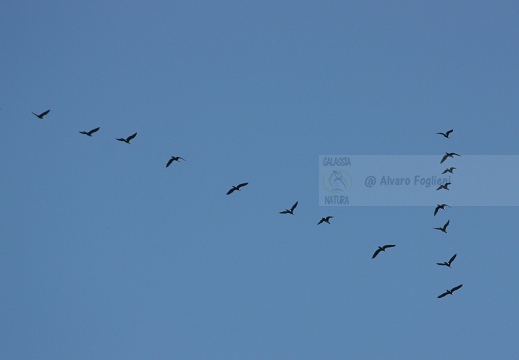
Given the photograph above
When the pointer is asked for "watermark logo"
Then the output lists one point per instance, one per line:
(418, 180)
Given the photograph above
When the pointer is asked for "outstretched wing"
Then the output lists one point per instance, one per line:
(446, 224)
(328, 218)
(230, 191)
(448, 132)
(294, 206)
(442, 295)
(452, 259)
(121, 139)
(442, 264)
(387, 246)
(456, 288)
(436, 210)
(241, 185)
(320, 221)
(131, 137)
(376, 253)
(169, 162)
(444, 158)
(284, 212)
(93, 130)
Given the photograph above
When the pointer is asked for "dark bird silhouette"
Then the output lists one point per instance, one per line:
(174, 158)
(236, 188)
(444, 186)
(450, 292)
(449, 170)
(291, 211)
(440, 206)
(128, 139)
(448, 263)
(326, 220)
(446, 134)
(444, 227)
(383, 248)
(89, 133)
(448, 155)
(42, 114)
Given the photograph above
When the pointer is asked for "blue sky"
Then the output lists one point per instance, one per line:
(105, 253)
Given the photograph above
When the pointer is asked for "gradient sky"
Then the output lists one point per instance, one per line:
(106, 254)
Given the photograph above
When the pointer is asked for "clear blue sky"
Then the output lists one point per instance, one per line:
(106, 254)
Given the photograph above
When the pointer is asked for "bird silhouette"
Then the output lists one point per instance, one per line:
(448, 263)
(444, 227)
(448, 155)
(450, 292)
(449, 170)
(383, 248)
(326, 220)
(236, 188)
(440, 206)
(42, 114)
(444, 186)
(291, 211)
(128, 139)
(89, 133)
(446, 134)
(174, 158)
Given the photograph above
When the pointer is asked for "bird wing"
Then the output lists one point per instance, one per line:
(230, 191)
(294, 206)
(443, 264)
(448, 132)
(120, 139)
(44, 113)
(320, 221)
(446, 224)
(436, 210)
(182, 158)
(452, 259)
(328, 218)
(444, 158)
(241, 185)
(456, 288)
(83, 132)
(94, 130)
(376, 253)
(387, 246)
(169, 162)
(131, 137)
(442, 295)
(456, 154)
(284, 212)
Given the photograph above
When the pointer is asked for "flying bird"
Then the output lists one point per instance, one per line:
(446, 134)
(89, 133)
(42, 114)
(291, 211)
(449, 170)
(236, 188)
(128, 139)
(448, 263)
(444, 186)
(440, 206)
(448, 155)
(174, 158)
(451, 291)
(383, 248)
(444, 227)
(326, 220)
